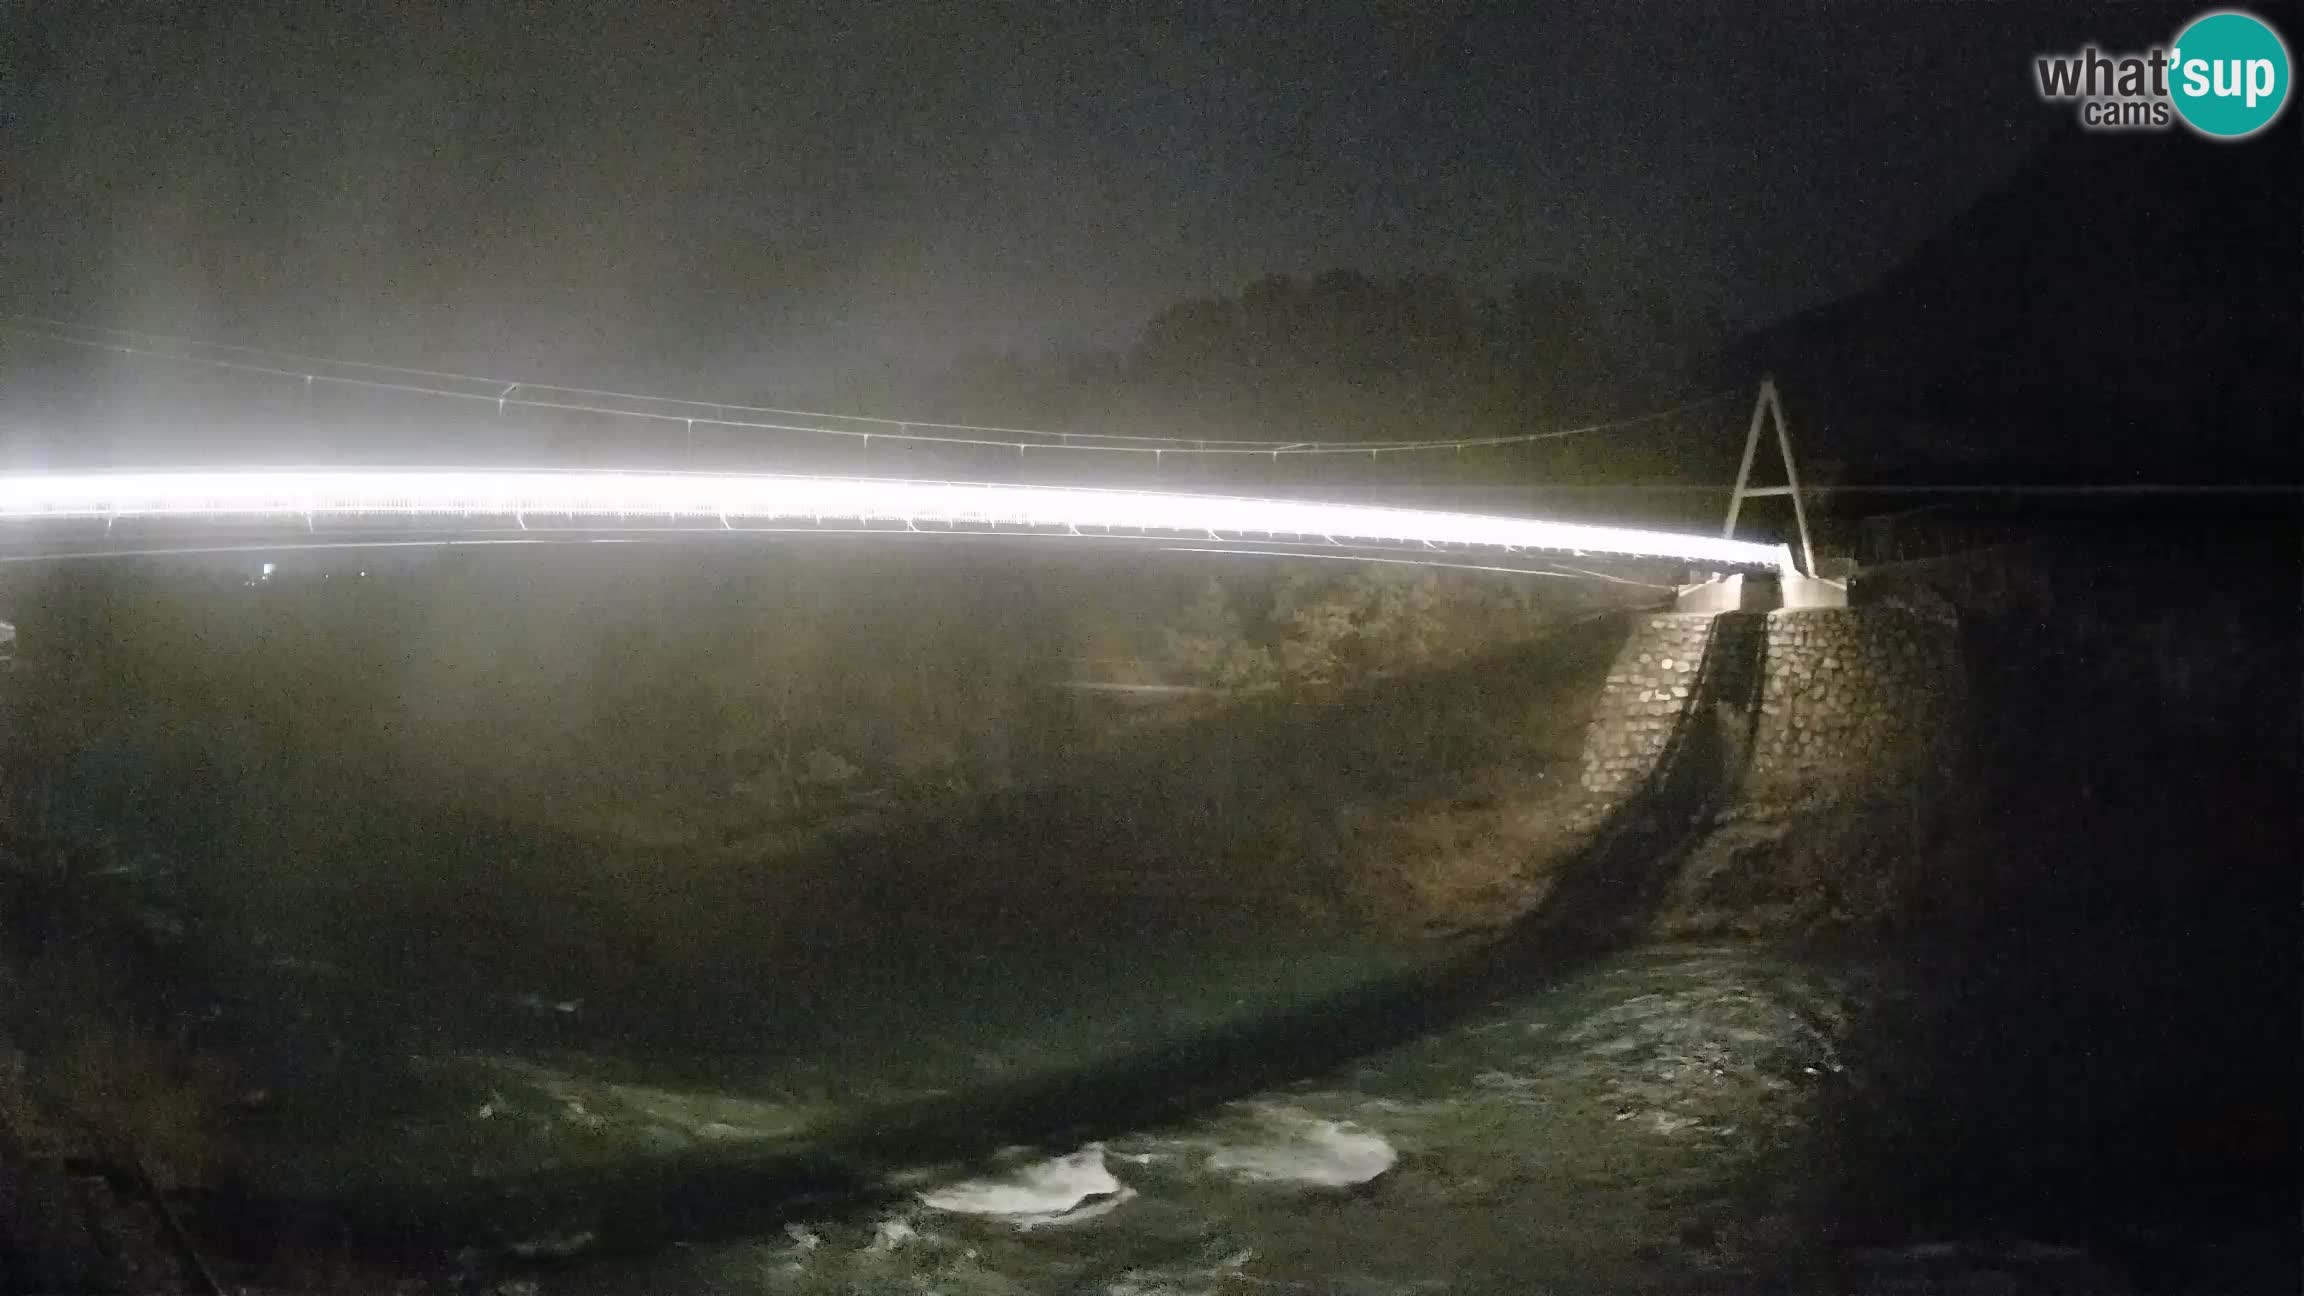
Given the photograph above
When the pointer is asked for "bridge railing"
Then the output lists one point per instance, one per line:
(93, 399)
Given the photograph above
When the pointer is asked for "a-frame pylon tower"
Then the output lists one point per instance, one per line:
(1768, 408)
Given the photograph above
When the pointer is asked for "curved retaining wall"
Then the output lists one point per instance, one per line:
(1852, 700)
(1652, 684)
(1807, 703)
(1750, 769)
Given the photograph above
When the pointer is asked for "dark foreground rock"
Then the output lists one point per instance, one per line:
(79, 1229)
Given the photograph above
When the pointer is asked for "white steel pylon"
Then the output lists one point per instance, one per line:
(1767, 406)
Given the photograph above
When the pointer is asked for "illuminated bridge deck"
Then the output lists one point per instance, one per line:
(54, 514)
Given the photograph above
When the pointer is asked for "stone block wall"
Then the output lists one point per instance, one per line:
(1807, 704)
(1880, 764)
(1852, 701)
(1650, 687)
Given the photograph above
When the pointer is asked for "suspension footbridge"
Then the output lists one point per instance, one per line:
(48, 514)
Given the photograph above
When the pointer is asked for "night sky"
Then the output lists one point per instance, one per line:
(765, 197)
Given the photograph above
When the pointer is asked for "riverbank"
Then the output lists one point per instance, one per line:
(394, 1041)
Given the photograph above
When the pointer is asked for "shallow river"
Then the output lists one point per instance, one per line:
(1672, 1119)
(2007, 1117)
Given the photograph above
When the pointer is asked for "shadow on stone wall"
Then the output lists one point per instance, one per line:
(1662, 757)
(1851, 732)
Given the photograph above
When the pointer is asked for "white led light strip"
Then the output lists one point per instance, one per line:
(536, 497)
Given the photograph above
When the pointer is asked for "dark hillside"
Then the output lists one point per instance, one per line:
(2125, 310)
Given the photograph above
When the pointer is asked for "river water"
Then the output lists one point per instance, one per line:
(476, 1063)
(1687, 1118)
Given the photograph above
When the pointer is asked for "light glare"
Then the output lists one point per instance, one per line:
(522, 498)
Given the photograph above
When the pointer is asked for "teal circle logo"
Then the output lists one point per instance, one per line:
(2228, 75)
